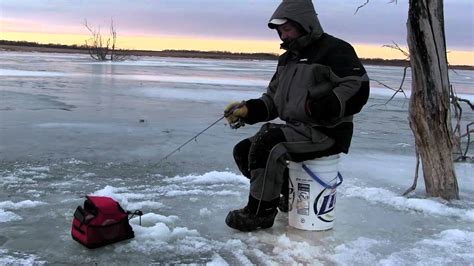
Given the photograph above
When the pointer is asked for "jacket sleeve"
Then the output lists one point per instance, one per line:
(350, 86)
(263, 108)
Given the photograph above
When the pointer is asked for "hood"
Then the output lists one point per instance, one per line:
(302, 12)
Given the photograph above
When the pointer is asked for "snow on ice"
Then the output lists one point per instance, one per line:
(80, 135)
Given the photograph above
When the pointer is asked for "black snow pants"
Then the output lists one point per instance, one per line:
(252, 156)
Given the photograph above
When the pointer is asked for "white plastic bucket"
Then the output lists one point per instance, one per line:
(312, 198)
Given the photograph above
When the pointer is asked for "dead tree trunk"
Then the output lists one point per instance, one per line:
(429, 103)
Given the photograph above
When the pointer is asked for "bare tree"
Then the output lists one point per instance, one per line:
(430, 102)
(458, 135)
(429, 111)
(101, 48)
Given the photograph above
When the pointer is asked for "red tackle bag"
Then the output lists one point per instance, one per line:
(100, 222)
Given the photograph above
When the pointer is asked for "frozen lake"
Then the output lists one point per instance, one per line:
(70, 127)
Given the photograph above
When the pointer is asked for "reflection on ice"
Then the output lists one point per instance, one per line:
(193, 95)
(25, 73)
(72, 125)
(203, 64)
(197, 80)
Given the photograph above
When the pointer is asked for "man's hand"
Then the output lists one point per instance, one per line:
(235, 111)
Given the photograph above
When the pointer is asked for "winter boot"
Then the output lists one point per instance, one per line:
(251, 217)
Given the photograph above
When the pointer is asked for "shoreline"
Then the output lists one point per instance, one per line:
(197, 54)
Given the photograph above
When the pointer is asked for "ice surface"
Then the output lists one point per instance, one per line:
(24, 73)
(203, 95)
(72, 127)
(197, 80)
(387, 93)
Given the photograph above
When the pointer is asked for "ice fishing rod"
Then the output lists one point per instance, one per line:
(235, 125)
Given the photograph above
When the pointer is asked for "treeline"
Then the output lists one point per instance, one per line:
(219, 54)
(385, 62)
(35, 44)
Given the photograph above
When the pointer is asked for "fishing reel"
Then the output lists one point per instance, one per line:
(237, 124)
(240, 122)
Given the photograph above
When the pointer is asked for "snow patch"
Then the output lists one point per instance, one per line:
(39, 168)
(20, 205)
(150, 219)
(75, 161)
(194, 192)
(143, 204)
(6, 216)
(296, 252)
(17, 258)
(213, 177)
(116, 194)
(449, 247)
(88, 175)
(156, 234)
(357, 252)
(217, 261)
(428, 206)
(205, 212)
(11, 179)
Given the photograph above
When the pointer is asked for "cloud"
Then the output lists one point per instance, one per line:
(378, 22)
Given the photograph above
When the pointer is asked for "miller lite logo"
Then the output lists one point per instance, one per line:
(324, 205)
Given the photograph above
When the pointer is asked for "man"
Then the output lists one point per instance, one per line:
(318, 85)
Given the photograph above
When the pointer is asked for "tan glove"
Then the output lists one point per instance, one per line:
(234, 111)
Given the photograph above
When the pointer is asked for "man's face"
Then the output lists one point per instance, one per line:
(289, 32)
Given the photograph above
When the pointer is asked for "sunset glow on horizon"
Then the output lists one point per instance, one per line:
(225, 25)
(158, 43)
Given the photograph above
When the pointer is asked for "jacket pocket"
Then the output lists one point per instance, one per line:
(322, 82)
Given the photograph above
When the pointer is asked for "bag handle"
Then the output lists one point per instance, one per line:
(320, 181)
(133, 214)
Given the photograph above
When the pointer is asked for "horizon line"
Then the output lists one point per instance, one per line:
(161, 43)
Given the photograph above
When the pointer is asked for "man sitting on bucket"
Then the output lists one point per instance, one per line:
(318, 85)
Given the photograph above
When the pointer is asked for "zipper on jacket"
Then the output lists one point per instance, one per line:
(289, 86)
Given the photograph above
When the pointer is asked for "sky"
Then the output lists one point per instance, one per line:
(225, 25)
